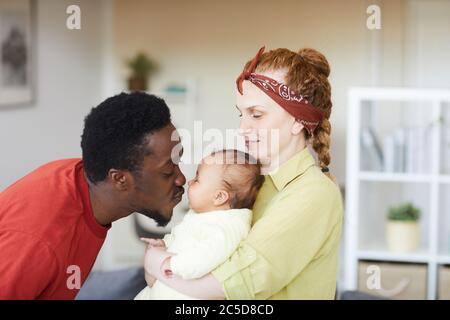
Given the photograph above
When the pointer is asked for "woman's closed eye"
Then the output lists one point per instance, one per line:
(255, 112)
(256, 115)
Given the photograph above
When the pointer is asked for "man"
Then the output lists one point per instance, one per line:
(53, 221)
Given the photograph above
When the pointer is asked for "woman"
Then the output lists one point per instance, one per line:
(292, 249)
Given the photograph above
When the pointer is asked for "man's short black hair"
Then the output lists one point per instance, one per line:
(116, 131)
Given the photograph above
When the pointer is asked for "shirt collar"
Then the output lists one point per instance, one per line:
(292, 168)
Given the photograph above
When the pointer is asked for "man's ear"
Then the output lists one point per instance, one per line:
(297, 127)
(221, 197)
(120, 179)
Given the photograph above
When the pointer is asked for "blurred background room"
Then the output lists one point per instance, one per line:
(391, 108)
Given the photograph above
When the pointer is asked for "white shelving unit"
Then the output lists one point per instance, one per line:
(434, 187)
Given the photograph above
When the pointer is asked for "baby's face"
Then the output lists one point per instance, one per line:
(202, 190)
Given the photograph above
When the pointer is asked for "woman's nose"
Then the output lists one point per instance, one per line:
(190, 182)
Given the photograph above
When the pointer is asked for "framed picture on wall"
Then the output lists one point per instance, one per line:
(16, 52)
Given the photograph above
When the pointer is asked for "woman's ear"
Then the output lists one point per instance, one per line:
(221, 197)
(297, 127)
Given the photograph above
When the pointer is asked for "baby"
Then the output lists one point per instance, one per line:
(220, 200)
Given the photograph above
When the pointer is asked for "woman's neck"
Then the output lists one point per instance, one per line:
(283, 155)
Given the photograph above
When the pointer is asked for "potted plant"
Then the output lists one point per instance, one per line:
(403, 228)
(141, 67)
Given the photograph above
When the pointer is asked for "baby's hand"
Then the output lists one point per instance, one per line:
(165, 268)
(154, 242)
(157, 262)
(150, 279)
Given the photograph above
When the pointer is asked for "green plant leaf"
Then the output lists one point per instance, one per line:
(404, 212)
(142, 66)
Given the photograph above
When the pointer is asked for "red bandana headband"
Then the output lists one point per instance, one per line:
(295, 104)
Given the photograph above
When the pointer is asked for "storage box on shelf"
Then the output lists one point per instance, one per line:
(444, 282)
(396, 280)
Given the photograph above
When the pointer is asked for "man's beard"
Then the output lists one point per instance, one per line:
(161, 221)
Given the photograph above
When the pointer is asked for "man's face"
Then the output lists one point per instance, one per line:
(158, 187)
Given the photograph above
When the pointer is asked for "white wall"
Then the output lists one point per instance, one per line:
(427, 49)
(68, 73)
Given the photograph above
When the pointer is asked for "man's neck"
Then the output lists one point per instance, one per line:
(104, 206)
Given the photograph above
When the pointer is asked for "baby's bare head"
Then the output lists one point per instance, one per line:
(241, 176)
